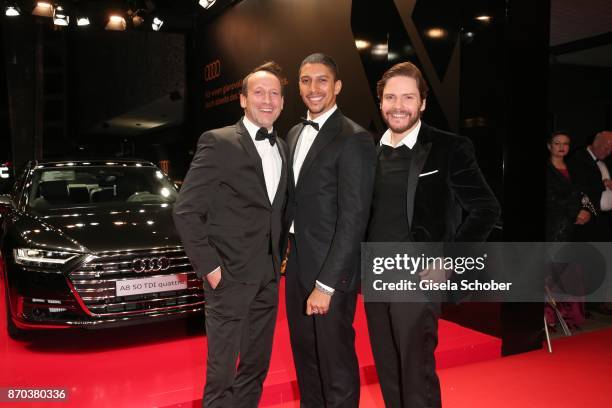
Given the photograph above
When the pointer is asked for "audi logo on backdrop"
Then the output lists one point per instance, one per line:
(150, 264)
(212, 70)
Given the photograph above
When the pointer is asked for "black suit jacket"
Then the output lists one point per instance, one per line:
(587, 177)
(223, 213)
(444, 180)
(330, 204)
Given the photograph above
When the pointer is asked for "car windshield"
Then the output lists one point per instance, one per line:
(98, 185)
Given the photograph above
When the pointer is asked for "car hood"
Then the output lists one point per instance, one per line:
(101, 229)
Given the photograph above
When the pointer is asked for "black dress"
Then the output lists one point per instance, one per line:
(563, 203)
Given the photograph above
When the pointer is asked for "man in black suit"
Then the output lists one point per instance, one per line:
(590, 173)
(332, 164)
(228, 214)
(424, 179)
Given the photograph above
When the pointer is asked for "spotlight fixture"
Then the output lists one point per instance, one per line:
(60, 17)
(12, 10)
(380, 50)
(116, 23)
(83, 21)
(436, 33)
(362, 44)
(157, 23)
(207, 3)
(43, 9)
(484, 18)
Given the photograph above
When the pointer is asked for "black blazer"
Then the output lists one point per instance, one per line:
(330, 204)
(223, 213)
(586, 175)
(445, 179)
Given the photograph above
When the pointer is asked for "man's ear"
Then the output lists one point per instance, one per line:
(242, 101)
(337, 87)
(423, 105)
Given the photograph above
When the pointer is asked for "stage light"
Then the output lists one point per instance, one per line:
(207, 3)
(380, 49)
(43, 9)
(362, 44)
(116, 23)
(484, 18)
(12, 11)
(83, 21)
(436, 33)
(157, 23)
(60, 17)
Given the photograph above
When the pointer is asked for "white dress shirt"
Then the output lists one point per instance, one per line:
(409, 140)
(271, 161)
(304, 143)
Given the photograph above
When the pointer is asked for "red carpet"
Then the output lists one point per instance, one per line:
(160, 365)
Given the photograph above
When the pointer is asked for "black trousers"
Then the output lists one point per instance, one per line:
(323, 345)
(404, 337)
(240, 320)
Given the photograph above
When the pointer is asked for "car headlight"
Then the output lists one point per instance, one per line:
(42, 257)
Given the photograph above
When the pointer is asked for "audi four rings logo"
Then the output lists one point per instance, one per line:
(150, 264)
(212, 70)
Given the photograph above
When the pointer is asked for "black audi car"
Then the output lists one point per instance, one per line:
(92, 244)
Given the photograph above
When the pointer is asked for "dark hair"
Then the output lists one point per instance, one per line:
(320, 58)
(271, 67)
(407, 69)
(556, 133)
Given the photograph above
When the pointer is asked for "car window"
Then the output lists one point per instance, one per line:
(94, 186)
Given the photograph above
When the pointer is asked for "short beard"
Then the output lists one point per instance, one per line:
(403, 129)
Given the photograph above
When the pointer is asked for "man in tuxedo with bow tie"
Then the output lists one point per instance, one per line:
(331, 174)
(228, 214)
(590, 173)
(425, 178)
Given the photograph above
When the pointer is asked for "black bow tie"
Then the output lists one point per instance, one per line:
(307, 122)
(262, 134)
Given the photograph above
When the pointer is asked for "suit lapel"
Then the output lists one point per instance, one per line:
(326, 134)
(292, 140)
(420, 153)
(247, 143)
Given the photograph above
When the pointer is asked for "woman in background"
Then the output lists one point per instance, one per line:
(566, 206)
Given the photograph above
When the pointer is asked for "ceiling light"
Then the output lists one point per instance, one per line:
(43, 9)
(12, 11)
(157, 23)
(380, 49)
(436, 33)
(484, 18)
(207, 3)
(60, 18)
(116, 23)
(362, 44)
